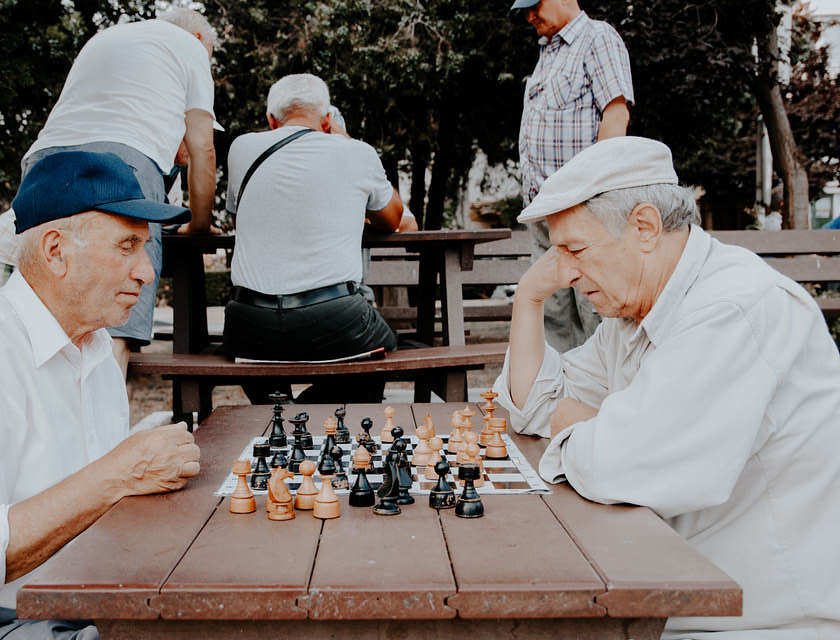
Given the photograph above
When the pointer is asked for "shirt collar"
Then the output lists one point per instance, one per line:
(568, 33)
(45, 333)
(693, 257)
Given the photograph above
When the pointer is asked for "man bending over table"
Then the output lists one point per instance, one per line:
(65, 456)
(710, 393)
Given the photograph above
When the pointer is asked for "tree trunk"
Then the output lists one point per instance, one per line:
(419, 164)
(796, 206)
(441, 169)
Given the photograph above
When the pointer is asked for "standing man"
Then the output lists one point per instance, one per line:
(66, 454)
(578, 94)
(137, 90)
(297, 265)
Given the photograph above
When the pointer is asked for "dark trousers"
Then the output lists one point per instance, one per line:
(332, 329)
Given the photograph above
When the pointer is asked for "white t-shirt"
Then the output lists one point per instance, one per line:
(132, 83)
(299, 225)
(62, 407)
(721, 412)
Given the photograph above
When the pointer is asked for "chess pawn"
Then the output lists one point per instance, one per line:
(466, 424)
(441, 496)
(423, 454)
(342, 433)
(326, 504)
(470, 438)
(279, 500)
(436, 445)
(456, 441)
(361, 495)
(242, 500)
(370, 442)
(472, 456)
(386, 436)
(496, 448)
(305, 495)
(261, 473)
(279, 460)
(469, 503)
(339, 480)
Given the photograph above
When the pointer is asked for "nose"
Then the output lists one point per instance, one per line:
(143, 271)
(567, 272)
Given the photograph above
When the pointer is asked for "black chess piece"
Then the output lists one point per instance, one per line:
(298, 454)
(261, 473)
(278, 434)
(442, 495)
(300, 421)
(403, 472)
(469, 503)
(326, 466)
(389, 491)
(279, 459)
(339, 480)
(361, 495)
(342, 433)
(370, 442)
(329, 443)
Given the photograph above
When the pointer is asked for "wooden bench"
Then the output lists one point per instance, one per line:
(442, 369)
(811, 256)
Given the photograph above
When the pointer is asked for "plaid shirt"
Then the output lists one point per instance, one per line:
(581, 69)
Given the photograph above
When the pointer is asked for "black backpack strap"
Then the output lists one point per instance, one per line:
(264, 155)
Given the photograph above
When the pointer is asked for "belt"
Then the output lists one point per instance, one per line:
(293, 300)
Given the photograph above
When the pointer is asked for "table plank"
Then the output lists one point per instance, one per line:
(648, 569)
(517, 561)
(98, 556)
(381, 567)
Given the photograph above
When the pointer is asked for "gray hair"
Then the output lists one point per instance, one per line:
(677, 206)
(191, 21)
(298, 92)
(74, 227)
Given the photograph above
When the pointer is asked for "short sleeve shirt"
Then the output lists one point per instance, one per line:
(583, 68)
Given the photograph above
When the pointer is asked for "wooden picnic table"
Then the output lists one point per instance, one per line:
(553, 565)
(443, 256)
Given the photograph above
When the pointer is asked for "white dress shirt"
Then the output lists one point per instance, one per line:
(721, 412)
(62, 407)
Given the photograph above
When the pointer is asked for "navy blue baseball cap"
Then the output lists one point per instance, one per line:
(523, 4)
(64, 184)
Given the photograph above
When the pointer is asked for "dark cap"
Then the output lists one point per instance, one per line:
(64, 184)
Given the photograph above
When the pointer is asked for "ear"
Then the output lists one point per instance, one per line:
(53, 245)
(326, 123)
(646, 223)
(273, 123)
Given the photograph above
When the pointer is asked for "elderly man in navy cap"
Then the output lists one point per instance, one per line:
(66, 454)
(709, 393)
(578, 93)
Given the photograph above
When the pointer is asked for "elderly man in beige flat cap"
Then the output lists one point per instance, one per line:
(710, 393)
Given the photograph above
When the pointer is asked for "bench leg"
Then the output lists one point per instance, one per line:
(423, 388)
(189, 396)
(453, 386)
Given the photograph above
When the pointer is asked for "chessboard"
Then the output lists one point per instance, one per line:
(510, 475)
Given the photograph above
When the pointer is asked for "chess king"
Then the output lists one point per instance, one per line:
(67, 456)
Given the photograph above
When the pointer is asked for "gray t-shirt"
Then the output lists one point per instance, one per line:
(299, 225)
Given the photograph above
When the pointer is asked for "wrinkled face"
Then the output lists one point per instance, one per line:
(106, 272)
(548, 17)
(606, 269)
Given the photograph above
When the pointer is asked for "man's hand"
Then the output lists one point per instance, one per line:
(186, 229)
(542, 278)
(569, 412)
(157, 460)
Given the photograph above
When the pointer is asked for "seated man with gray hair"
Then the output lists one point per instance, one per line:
(66, 455)
(710, 392)
(301, 193)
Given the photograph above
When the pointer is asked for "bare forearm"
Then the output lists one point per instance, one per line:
(42, 524)
(527, 346)
(201, 180)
